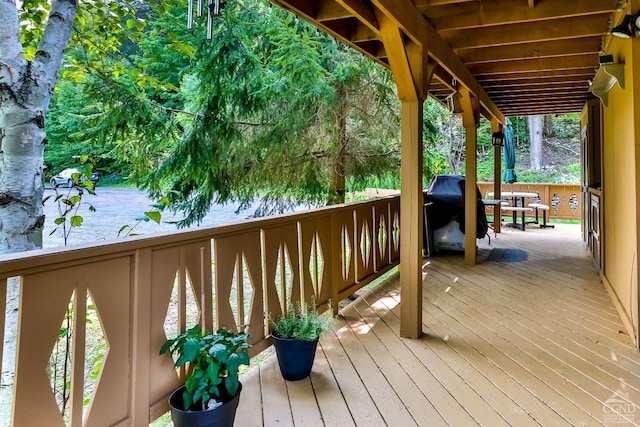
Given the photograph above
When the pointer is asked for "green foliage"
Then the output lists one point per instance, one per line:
(154, 214)
(214, 362)
(68, 203)
(566, 126)
(273, 106)
(67, 132)
(303, 322)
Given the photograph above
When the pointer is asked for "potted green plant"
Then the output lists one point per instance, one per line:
(295, 336)
(210, 394)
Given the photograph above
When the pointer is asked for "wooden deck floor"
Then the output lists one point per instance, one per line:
(531, 343)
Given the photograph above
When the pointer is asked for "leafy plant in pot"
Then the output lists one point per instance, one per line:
(212, 387)
(295, 336)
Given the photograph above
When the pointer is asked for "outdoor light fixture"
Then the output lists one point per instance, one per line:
(497, 139)
(630, 25)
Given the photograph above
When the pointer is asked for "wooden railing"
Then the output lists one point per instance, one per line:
(563, 199)
(121, 298)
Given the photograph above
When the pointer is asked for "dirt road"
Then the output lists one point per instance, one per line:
(116, 207)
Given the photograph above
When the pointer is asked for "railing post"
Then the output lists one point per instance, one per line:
(141, 344)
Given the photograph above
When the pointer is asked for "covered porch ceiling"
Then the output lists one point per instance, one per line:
(519, 57)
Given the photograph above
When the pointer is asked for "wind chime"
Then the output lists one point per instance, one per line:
(214, 9)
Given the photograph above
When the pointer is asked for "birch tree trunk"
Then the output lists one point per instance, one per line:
(535, 138)
(25, 91)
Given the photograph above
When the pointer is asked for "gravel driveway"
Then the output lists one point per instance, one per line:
(116, 207)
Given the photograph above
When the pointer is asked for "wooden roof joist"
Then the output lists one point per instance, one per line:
(493, 48)
(547, 105)
(540, 92)
(535, 50)
(560, 29)
(544, 64)
(415, 26)
(585, 72)
(479, 14)
(514, 83)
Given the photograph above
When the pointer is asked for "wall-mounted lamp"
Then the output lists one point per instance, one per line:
(497, 139)
(630, 24)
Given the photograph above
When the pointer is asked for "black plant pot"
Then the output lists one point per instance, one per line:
(222, 416)
(295, 357)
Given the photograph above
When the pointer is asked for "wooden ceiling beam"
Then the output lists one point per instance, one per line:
(547, 109)
(329, 10)
(361, 33)
(541, 102)
(567, 93)
(525, 109)
(535, 110)
(363, 10)
(579, 90)
(430, 3)
(413, 24)
(494, 85)
(503, 12)
(307, 10)
(567, 28)
(584, 72)
(543, 64)
(545, 49)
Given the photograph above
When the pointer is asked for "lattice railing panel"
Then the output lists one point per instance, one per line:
(127, 297)
(317, 259)
(364, 237)
(238, 258)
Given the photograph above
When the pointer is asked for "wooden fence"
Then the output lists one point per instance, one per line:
(563, 199)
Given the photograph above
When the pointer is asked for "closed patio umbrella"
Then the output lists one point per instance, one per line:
(509, 154)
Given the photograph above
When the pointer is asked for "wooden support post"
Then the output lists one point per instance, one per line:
(497, 176)
(470, 119)
(412, 72)
(411, 219)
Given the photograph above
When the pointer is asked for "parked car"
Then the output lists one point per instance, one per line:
(65, 178)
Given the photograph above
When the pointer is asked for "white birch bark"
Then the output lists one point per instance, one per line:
(535, 138)
(25, 91)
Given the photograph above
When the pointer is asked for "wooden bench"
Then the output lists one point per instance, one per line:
(544, 208)
(514, 212)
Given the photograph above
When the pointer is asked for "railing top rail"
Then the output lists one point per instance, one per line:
(19, 263)
(538, 184)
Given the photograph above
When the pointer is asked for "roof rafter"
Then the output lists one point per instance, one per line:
(565, 28)
(546, 49)
(504, 12)
(414, 25)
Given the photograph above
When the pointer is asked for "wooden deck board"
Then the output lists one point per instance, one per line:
(528, 343)
(456, 379)
(443, 408)
(399, 367)
(384, 396)
(361, 406)
(332, 403)
(510, 355)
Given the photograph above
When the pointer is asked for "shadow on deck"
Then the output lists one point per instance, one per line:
(536, 342)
